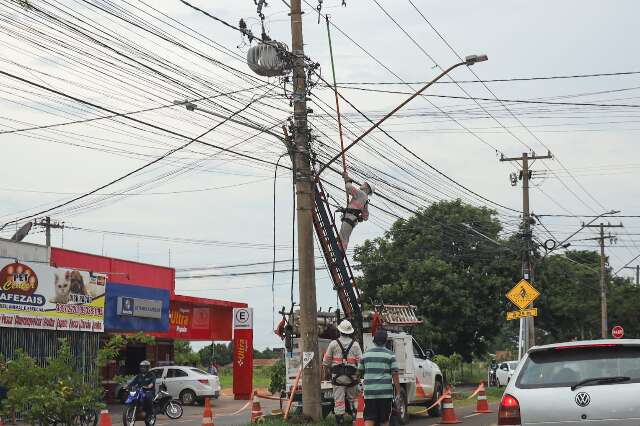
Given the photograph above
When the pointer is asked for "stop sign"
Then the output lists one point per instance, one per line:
(617, 332)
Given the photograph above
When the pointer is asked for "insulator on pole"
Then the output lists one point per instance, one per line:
(268, 60)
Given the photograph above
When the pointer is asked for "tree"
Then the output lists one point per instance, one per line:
(222, 353)
(457, 278)
(54, 394)
(183, 354)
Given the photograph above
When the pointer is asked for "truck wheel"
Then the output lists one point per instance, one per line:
(437, 393)
(404, 413)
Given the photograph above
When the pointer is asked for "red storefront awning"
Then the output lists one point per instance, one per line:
(196, 318)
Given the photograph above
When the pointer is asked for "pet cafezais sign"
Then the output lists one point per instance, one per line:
(36, 295)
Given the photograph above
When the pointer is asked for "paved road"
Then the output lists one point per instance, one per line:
(465, 414)
(225, 408)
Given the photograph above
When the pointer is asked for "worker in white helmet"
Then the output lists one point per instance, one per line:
(340, 364)
(357, 209)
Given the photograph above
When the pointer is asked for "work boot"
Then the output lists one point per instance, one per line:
(339, 419)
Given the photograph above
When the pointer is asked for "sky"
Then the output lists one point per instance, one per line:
(211, 208)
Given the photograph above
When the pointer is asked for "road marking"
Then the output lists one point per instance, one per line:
(471, 415)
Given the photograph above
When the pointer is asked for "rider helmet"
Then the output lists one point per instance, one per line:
(144, 366)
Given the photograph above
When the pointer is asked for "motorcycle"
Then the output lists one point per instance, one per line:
(493, 376)
(163, 403)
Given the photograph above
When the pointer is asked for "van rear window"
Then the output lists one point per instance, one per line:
(568, 366)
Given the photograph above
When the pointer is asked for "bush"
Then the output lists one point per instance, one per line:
(51, 394)
(278, 377)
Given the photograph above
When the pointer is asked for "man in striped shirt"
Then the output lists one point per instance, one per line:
(380, 371)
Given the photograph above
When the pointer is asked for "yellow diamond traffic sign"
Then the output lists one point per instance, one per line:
(522, 294)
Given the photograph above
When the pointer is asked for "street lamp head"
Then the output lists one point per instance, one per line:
(613, 212)
(189, 105)
(472, 59)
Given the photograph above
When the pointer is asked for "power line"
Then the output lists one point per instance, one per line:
(497, 80)
(477, 98)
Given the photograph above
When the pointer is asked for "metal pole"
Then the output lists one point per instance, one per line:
(396, 109)
(304, 197)
(603, 287)
(637, 274)
(47, 226)
(527, 322)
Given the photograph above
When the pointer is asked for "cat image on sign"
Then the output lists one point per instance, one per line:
(62, 289)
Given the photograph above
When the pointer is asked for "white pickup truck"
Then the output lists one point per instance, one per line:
(421, 379)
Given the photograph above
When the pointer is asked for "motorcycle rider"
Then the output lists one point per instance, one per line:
(147, 382)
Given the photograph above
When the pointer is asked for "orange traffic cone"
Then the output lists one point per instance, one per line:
(207, 414)
(448, 413)
(482, 405)
(256, 410)
(360, 410)
(105, 418)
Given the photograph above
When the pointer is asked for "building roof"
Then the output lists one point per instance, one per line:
(207, 302)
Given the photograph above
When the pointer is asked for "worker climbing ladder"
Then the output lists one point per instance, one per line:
(339, 268)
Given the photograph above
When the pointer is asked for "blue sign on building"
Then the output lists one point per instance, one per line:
(135, 308)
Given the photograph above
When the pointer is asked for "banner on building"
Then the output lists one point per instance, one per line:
(242, 352)
(37, 295)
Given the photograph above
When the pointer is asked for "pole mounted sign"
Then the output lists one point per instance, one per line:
(242, 353)
(617, 332)
(522, 295)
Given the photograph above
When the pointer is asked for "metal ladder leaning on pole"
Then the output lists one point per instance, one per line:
(339, 268)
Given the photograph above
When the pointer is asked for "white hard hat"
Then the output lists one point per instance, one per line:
(371, 186)
(345, 327)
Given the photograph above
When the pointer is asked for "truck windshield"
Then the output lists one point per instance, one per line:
(559, 367)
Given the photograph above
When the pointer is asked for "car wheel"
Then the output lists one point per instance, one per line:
(404, 413)
(188, 397)
(437, 393)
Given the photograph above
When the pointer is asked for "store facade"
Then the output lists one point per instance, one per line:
(52, 293)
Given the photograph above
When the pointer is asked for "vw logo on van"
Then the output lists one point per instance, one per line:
(583, 399)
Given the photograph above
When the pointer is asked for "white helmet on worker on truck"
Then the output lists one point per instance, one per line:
(345, 327)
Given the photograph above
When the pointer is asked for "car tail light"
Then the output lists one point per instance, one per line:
(594, 345)
(509, 413)
(204, 381)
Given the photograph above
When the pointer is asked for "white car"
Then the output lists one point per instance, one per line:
(590, 382)
(504, 372)
(190, 384)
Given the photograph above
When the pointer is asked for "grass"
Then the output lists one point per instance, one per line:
(261, 377)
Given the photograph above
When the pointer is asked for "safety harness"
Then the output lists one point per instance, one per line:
(344, 369)
(355, 212)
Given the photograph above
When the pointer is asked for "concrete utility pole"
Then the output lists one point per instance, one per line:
(603, 275)
(637, 269)
(47, 224)
(304, 196)
(528, 335)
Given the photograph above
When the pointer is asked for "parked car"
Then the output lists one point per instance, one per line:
(504, 372)
(596, 381)
(189, 384)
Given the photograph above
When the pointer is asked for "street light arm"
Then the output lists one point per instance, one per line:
(470, 60)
